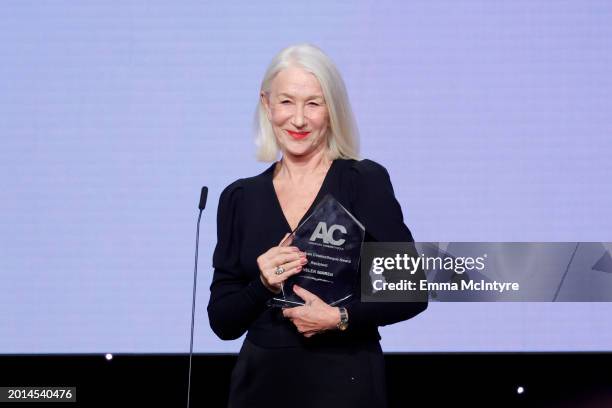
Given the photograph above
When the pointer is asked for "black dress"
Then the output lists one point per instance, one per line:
(277, 366)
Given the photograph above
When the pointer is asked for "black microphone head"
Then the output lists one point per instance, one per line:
(203, 197)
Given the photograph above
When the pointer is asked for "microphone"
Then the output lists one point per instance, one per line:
(201, 206)
(203, 197)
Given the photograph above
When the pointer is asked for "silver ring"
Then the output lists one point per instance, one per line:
(279, 270)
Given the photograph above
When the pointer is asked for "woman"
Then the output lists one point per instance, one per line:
(300, 356)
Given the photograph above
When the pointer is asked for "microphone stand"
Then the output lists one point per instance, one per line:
(203, 196)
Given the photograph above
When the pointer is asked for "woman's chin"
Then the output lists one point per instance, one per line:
(295, 153)
(296, 150)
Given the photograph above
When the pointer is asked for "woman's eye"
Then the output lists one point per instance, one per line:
(286, 101)
(313, 104)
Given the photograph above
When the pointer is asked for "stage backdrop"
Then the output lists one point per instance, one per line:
(493, 119)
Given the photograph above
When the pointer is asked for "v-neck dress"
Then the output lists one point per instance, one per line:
(250, 221)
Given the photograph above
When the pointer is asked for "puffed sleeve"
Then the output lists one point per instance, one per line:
(235, 300)
(375, 205)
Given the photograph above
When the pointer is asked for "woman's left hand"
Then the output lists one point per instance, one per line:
(315, 316)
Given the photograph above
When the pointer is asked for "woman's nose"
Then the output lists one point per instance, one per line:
(298, 117)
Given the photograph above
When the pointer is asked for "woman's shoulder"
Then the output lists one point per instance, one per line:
(246, 185)
(366, 169)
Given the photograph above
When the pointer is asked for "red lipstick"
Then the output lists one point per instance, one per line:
(298, 135)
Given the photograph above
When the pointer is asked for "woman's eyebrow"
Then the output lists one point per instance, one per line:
(308, 97)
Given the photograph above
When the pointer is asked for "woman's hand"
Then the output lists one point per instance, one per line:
(315, 316)
(289, 258)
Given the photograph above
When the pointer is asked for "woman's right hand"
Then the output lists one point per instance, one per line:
(290, 258)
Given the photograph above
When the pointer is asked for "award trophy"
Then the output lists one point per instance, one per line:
(331, 237)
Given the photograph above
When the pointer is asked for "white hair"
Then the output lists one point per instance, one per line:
(343, 136)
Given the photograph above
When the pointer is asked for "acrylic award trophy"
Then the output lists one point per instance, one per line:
(331, 237)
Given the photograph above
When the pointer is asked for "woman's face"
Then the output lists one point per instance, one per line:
(297, 111)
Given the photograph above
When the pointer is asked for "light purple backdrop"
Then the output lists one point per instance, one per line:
(493, 119)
